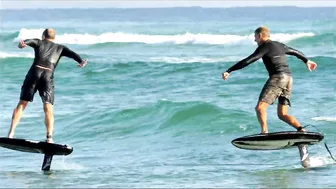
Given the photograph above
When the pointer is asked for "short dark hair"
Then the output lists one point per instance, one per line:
(263, 30)
(49, 33)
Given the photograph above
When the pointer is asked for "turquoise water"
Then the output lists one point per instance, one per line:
(151, 109)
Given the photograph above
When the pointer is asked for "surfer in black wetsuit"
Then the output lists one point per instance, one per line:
(41, 77)
(279, 84)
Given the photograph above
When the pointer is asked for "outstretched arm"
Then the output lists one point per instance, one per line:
(257, 54)
(71, 54)
(298, 54)
(30, 42)
(309, 64)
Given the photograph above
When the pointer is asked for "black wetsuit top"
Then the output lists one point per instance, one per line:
(273, 54)
(48, 53)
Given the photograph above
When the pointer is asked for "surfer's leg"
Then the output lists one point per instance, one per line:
(49, 120)
(268, 95)
(261, 110)
(16, 117)
(28, 90)
(284, 116)
(284, 102)
(46, 90)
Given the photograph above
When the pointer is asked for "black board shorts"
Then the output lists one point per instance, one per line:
(277, 86)
(41, 80)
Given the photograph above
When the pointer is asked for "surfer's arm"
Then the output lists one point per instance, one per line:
(257, 54)
(30, 42)
(71, 54)
(309, 64)
(296, 53)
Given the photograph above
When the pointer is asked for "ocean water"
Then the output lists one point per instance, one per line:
(151, 109)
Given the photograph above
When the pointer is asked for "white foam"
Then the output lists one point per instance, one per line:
(243, 126)
(187, 38)
(29, 34)
(65, 165)
(168, 59)
(16, 54)
(320, 161)
(285, 37)
(331, 119)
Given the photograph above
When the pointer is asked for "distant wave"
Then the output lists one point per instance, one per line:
(168, 116)
(9, 35)
(16, 55)
(331, 119)
(162, 59)
(187, 38)
(222, 59)
(198, 59)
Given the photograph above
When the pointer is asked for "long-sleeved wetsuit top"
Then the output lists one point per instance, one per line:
(48, 53)
(273, 54)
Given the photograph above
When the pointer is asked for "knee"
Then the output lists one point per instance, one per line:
(48, 108)
(282, 115)
(260, 109)
(22, 104)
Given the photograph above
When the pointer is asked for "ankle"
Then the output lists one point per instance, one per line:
(49, 137)
(300, 128)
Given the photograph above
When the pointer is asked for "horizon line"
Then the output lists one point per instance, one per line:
(249, 6)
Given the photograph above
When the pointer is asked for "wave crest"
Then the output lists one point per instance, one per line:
(187, 38)
(16, 55)
(331, 119)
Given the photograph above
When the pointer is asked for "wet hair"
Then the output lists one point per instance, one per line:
(262, 30)
(49, 33)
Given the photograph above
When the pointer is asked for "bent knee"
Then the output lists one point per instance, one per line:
(260, 109)
(282, 116)
(48, 107)
(22, 104)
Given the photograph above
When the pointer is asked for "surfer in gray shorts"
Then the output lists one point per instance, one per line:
(279, 84)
